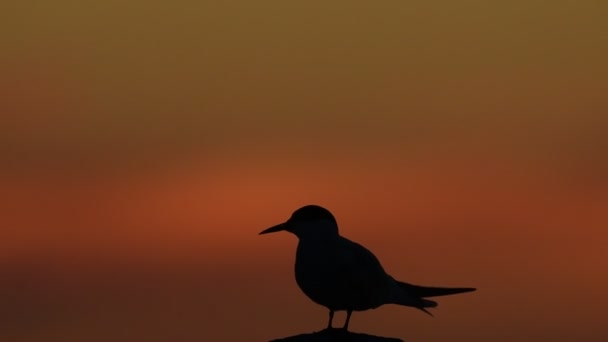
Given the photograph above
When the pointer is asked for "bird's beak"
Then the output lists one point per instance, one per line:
(274, 229)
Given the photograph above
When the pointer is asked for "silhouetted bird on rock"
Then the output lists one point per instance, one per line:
(344, 276)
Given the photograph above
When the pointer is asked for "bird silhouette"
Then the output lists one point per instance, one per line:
(342, 275)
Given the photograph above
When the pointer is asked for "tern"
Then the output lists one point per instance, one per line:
(342, 275)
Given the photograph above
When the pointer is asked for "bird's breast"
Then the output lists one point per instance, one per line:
(314, 264)
(314, 270)
(318, 274)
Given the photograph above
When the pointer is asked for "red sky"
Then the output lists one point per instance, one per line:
(144, 146)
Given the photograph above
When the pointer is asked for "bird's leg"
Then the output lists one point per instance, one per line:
(348, 313)
(331, 318)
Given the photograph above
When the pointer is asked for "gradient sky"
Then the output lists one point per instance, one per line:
(143, 145)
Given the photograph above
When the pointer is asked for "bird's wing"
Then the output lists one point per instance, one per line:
(370, 284)
(361, 275)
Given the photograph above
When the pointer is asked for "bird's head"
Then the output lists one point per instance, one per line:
(311, 221)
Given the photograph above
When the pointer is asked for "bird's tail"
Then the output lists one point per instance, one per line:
(425, 303)
(407, 299)
(415, 295)
(428, 291)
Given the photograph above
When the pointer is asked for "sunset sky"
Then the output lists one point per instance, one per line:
(145, 144)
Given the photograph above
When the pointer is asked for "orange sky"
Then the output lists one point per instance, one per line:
(144, 145)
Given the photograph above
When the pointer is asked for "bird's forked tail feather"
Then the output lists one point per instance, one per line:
(428, 291)
(415, 302)
(425, 303)
(420, 292)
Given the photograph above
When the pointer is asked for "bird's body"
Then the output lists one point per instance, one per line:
(340, 275)
(343, 275)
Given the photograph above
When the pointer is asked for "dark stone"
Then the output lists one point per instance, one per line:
(336, 335)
